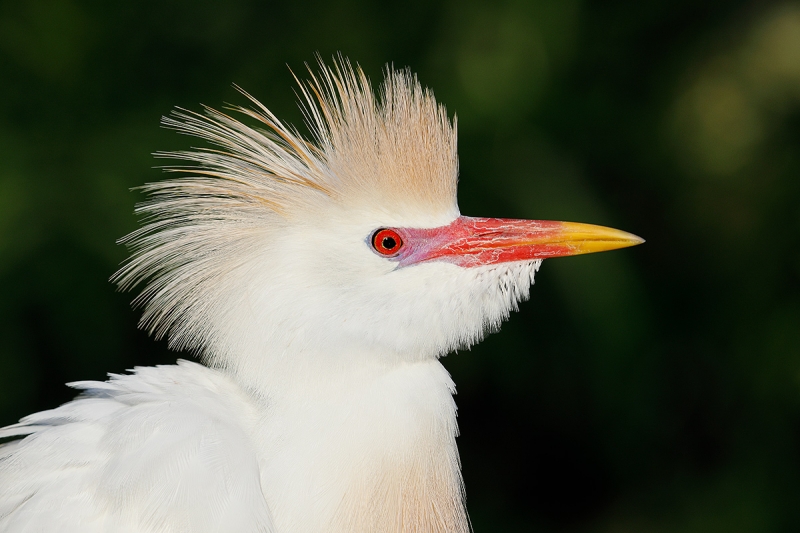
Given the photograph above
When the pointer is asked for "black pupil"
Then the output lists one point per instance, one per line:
(389, 243)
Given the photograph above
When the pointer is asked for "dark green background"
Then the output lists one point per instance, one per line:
(655, 389)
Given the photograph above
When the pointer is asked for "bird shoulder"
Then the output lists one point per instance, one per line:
(162, 449)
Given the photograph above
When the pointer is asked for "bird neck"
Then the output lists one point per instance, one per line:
(290, 374)
(360, 449)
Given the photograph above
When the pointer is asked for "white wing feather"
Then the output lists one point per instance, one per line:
(165, 449)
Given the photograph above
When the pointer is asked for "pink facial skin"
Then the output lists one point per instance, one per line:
(472, 242)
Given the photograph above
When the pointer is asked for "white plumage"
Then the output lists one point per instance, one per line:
(324, 407)
(163, 449)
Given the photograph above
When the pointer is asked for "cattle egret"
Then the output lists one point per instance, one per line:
(320, 279)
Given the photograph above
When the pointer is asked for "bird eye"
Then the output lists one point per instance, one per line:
(387, 242)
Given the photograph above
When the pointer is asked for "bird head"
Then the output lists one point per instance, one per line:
(344, 246)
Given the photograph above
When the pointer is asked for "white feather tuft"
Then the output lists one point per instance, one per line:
(396, 155)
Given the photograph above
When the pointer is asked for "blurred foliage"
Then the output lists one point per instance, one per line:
(655, 389)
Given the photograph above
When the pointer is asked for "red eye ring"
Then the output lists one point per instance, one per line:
(387, 242)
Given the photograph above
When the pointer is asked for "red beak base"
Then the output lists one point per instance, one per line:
(472, 242)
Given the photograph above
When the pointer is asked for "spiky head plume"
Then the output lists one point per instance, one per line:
(393, 155)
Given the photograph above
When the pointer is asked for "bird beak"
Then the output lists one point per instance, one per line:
(471, 242)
